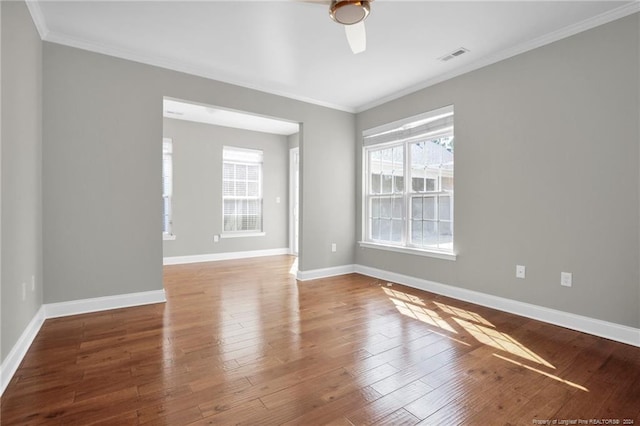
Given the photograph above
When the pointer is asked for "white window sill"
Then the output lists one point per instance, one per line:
(410, 250)
(167, 237)
(242, 234)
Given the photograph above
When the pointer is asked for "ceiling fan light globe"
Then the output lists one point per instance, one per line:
(349, 12)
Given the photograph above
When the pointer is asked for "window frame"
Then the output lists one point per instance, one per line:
(436, 193)
(369, 196)
(260, 197)
(167, 198)
(405, 245)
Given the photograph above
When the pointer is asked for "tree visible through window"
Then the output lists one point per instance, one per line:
(409, 183)
(242, 190)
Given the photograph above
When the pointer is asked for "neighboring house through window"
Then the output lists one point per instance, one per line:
(241, 191)
(408, 184)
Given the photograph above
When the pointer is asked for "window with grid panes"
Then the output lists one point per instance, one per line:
(241, 190)
(409, 183)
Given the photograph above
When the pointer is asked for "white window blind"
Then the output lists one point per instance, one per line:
(409, 182)
(430, 125)
(242, 190)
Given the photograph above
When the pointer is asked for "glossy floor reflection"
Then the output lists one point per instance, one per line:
(242, 342)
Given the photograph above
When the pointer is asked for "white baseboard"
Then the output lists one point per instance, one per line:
(75, 307)
(19, 350)
(315, 274)
(617, 332)
(609, 330)
(213, 257)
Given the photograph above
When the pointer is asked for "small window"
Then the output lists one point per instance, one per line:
(409, 183)
(167, 187)
(241, 191)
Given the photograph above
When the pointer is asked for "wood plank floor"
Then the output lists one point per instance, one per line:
(241, 342)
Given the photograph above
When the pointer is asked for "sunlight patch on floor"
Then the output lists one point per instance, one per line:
(294, 268)
(502, 341)
(463, 313)
(476, 326)
(471, 322)
(422, 314)
(544, 373)
(403, 296)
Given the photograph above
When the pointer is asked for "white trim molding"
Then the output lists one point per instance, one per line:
(214, 257)
(409, 250)
(242, 234)
(573, 29)
(316, 274)
(139, 56)
(12, 361)
(38, 18)
(155, 60)
(54, 310)
(105, 303)
(609, 330)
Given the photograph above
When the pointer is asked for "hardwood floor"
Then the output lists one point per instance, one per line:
(241, 342)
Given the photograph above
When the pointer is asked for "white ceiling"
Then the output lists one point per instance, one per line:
(293, 48)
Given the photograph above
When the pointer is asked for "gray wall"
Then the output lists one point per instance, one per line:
(547, 164)
(197, 188)
(21, 172)
(2, 354)
(546, 175)
(102, 171)
(293, 140)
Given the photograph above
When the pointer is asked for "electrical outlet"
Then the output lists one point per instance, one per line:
(566, 279)
(334, 247)
(520, 271)
(277, 200)
(216, 238)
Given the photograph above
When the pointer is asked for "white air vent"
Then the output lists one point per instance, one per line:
(454, 54)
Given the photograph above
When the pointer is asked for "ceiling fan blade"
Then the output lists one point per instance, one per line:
(357, 37)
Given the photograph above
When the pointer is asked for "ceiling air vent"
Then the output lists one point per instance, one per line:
(454, 54)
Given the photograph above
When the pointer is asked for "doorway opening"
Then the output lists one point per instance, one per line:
(294, 191)
(227, 184)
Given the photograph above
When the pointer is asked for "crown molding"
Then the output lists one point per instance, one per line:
(549, 38)
(38, 18)
(170, 64)
(47, 35)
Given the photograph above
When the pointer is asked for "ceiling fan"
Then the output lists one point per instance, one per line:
(351, 14)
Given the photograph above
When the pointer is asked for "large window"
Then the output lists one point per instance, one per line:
(241, 191)
(167, 187)
(409, 183)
